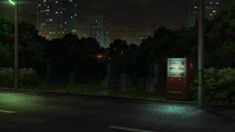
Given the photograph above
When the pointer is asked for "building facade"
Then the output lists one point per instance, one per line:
(97, 29)
(56, 18)
(211, 9)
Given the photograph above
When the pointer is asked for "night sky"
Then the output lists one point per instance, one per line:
(128, 19)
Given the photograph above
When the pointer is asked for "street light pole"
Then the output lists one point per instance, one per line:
(200, 52)
(16, 47)
(16, 77)
(16, 54)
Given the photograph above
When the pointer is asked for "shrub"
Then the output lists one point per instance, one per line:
(28, 78)
(219, 86)
(6, 77)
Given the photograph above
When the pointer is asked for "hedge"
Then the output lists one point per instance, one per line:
(219, 86)
(28, 78)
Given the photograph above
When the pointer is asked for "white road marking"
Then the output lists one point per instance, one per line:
(129, 129)
(7, 111)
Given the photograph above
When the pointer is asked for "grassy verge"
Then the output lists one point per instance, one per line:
(92, 89)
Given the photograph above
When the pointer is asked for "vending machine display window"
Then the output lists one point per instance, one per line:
(177, 68)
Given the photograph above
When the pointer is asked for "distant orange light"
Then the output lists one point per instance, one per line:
(99, 56)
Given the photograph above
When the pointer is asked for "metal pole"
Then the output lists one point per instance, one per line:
(16, 64)
(200, 53)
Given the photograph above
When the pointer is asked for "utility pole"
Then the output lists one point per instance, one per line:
(200, 53)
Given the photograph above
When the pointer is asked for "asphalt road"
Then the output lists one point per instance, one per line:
(24, 112)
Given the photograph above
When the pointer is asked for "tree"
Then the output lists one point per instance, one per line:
(117, 53)
(6, 43)
(220, 38)
(32, 48)
(6, 32)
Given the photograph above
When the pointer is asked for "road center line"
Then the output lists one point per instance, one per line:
(129, 129)
(7, 111)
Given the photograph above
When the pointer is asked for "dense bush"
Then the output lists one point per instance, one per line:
(219, 86)
(6, 77)
(28, 78)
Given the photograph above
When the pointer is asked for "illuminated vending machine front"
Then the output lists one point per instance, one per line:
(179, 76)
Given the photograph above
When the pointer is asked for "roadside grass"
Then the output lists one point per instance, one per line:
(99, 90)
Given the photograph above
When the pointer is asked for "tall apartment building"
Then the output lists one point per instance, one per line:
(97, 29)
(56, 18)
(211, 9)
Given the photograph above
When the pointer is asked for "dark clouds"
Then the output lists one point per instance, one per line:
(128, 19)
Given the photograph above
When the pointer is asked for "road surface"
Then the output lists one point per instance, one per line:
(31, 112)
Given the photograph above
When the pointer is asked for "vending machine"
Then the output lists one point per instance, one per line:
(180, 73)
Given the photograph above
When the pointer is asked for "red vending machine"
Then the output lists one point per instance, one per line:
(180, 73)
